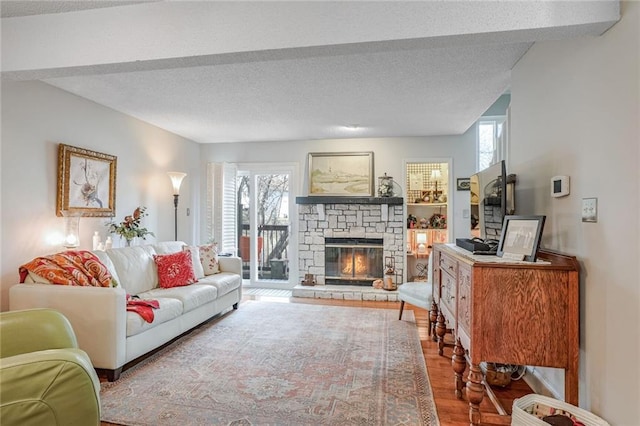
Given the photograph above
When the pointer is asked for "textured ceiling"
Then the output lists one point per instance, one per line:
(241, 71)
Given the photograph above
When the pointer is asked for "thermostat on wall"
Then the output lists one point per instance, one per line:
(559, 186)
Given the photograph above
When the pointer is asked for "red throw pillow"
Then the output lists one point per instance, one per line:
(175, 269)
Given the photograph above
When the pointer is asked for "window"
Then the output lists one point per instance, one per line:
(492, 141)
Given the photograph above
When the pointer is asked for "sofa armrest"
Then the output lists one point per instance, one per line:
(98, 316)
(230, 264)
(57, 386)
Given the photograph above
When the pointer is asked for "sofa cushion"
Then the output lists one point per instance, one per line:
(209, 259)
(167, 247)
(106, 261)
(169, 309)
(135, 268)
(175, 269)
(195, 260)
(192, 296)
(225, 282)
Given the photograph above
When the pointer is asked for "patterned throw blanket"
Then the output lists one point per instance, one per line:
(142, 307)
(74, 267)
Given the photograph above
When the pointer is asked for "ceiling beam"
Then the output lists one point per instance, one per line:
(163, 35)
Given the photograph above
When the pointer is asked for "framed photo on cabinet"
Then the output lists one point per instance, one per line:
(520, 238)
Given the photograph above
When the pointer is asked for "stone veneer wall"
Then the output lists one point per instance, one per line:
(347, 221)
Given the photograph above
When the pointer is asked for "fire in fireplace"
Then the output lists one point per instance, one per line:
(353, 261)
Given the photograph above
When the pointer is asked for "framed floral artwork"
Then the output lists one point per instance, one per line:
(86, 182)
(341, 174)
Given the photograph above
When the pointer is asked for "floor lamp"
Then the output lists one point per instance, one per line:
(176, 181)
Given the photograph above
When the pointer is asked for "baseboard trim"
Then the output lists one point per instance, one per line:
(539, 385)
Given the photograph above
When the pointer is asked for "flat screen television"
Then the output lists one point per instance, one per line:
(492, 198)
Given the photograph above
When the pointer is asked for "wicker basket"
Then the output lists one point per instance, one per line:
(529, 410)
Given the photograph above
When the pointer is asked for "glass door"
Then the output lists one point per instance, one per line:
(265, 228)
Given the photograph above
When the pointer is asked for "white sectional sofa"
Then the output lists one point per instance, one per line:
(110, 334)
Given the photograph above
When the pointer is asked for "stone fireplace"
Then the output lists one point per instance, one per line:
(329, 221)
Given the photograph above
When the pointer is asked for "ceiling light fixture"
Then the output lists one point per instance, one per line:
(353, 127)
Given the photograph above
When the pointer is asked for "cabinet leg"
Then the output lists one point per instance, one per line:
(459, 364)
(475, 393)
(433, 318)
(441, 330)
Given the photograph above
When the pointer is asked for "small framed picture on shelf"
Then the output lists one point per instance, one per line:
(520, 238)
(426, 197)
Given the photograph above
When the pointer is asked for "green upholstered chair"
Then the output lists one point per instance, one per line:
(44, 378)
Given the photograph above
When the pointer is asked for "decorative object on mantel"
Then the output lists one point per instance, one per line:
(176, 181)
(308, 280)
(385, 186)
(341, 174)
(378, 284)
(130, 227)
(86, 182)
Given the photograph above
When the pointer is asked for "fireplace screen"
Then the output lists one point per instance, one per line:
(354, 261)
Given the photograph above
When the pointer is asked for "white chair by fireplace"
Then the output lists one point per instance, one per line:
(418, 293)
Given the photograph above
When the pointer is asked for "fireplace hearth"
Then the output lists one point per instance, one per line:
(353, 261)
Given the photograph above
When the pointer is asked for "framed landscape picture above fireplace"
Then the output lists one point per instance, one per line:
(341, 174)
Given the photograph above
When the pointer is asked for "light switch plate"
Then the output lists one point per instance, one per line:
(589, 209)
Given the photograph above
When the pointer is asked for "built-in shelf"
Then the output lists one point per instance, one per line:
(428, 204)
(349, 200)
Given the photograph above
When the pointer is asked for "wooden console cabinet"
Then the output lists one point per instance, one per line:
(506, 312)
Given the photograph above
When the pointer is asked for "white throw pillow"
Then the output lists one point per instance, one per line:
(198, 270)
(209, 259)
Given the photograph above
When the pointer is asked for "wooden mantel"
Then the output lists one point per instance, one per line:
(348, 200)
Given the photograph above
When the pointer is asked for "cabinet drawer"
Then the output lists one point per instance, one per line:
(449, 290)
(448, 265)
(449, 318)
(464, 297)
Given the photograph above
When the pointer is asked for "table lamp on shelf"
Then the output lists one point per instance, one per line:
(421, 241)
(436, 175)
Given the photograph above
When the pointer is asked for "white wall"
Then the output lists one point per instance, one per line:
(575, 111)
(35, 118)
(389, 156)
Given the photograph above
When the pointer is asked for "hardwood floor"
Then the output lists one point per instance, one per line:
(451, 411)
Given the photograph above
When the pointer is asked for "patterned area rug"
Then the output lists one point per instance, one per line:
(282, 364)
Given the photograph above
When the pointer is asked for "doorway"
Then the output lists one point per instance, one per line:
(264, 215)
(429, 207)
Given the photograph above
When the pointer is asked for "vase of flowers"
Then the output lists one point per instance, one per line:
(130, 227)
